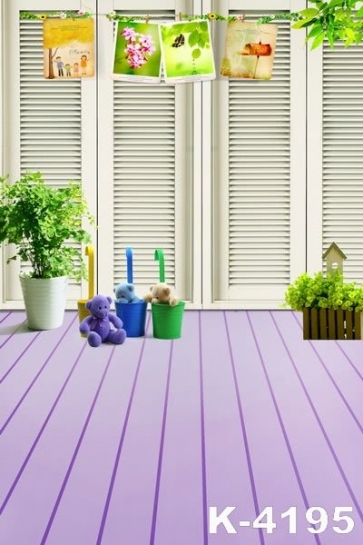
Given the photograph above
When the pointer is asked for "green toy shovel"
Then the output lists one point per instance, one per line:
(167, 320)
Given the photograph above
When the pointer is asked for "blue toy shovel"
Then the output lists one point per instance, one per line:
(133, 315)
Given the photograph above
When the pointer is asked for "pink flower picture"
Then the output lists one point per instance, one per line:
(137, 52)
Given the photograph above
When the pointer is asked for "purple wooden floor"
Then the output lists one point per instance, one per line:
(132, 445)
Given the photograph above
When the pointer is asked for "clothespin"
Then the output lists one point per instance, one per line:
(180, 16)
(147, 18)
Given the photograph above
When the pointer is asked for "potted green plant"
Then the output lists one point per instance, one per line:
(331, 307)
(42, 222)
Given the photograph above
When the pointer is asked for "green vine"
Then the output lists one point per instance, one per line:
(31, 16)
(289, 16)
(331, 20)
(182, 17)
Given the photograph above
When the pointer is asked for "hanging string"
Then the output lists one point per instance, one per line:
(111, 16)
(80, 14)
(84, 13)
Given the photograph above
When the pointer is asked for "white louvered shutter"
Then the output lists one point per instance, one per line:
(51, 125)
(144, 176)
(151, 179)
(253, 264)
(342, 192)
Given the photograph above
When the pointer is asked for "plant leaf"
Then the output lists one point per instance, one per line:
(330, 35)
(334, 3)
(309, 13)
(316, 29)
(318, 41)
(193, 38)
(350, 33)
(340, 14)
(196, 53)
(348, 42)
(301, 23)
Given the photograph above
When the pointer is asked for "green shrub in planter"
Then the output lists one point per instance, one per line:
(39, 219)
(42, 222)
(321, 291)
(331, 308)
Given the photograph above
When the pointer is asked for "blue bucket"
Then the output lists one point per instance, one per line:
(133, 316)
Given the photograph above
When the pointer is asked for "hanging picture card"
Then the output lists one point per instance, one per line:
(68, 48)
(137, 53)
(249, 50)
(187, 51)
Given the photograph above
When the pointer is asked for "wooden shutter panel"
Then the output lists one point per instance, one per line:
(50, 114)
(48, 129)
(259, 173)
(50, 120)
(342, 154)
(145, 173)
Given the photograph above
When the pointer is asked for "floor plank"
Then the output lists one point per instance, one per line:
(181, 483)
(230, 479)
(132, 487)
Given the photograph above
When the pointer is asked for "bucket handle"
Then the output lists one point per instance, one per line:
(91, 271)
(159, 256)
(129, 265)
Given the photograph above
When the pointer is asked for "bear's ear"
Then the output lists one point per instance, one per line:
(151, 288)
(109, 299)
(167, 291)
(130, 288)
(88, 305)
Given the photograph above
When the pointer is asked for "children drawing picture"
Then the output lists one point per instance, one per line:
(68, 48)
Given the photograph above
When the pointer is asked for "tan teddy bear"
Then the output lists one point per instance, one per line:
(161, 293)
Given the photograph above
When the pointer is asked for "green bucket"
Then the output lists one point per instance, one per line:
(167, 320)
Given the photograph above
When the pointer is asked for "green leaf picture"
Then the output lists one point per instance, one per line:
(186, 51)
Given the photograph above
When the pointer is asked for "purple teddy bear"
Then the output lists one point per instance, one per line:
(98, 324)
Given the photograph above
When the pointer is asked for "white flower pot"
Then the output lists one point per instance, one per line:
(45, 300)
